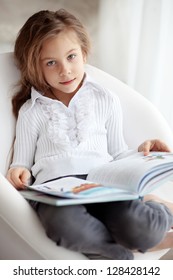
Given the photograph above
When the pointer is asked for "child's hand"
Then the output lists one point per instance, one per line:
(18, 177)
(153, 145)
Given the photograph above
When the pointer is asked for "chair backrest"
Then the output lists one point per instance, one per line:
(141, 119)
(8, 79)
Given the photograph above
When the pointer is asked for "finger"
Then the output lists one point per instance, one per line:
(14, 182)
(25, 176)
(159, 146)
(15, 178)
(146, 147)
(10, 179)
(164, 148)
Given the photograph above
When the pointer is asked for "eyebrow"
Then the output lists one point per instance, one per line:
(52, 58)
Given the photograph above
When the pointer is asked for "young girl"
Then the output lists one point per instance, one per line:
(68, 124)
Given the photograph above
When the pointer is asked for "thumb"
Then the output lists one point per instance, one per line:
(25, 176)
(146, 148)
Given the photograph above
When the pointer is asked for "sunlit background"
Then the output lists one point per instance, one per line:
(132, 40)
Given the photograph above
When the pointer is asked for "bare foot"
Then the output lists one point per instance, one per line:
(155, 198)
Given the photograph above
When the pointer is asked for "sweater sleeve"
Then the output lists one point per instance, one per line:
(114, 126)
(25, 140)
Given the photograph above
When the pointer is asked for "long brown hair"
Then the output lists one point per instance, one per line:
(38, 28)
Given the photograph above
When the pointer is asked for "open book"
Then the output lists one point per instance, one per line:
(125, 179)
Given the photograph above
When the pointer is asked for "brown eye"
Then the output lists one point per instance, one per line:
(71, 56)
(51, 63)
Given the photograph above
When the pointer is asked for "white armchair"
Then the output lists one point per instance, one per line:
(21, 233)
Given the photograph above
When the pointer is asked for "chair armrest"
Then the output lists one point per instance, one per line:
(19, 219)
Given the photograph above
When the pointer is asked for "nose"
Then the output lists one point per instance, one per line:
(64, 69)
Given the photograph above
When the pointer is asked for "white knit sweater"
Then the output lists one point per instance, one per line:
(54, 140)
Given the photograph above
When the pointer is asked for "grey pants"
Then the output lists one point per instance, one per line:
(107, 230)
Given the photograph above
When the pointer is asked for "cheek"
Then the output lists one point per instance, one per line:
(43, 70)
(47, 73)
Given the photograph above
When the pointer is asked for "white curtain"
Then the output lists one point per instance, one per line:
(136, 45)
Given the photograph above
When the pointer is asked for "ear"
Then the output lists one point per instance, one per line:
(84, 58)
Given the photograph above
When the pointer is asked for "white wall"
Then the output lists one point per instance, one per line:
(14, 13)
(132, 40)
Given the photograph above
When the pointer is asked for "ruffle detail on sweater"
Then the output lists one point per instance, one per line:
(68, 127)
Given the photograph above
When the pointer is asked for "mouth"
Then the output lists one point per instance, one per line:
(67, 82)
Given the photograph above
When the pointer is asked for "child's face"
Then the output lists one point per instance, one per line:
(62, 62)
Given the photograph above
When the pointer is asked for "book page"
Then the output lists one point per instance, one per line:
(71, 187)
(62, 201)
(129, 172)
(131, 176)
(152, 182)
